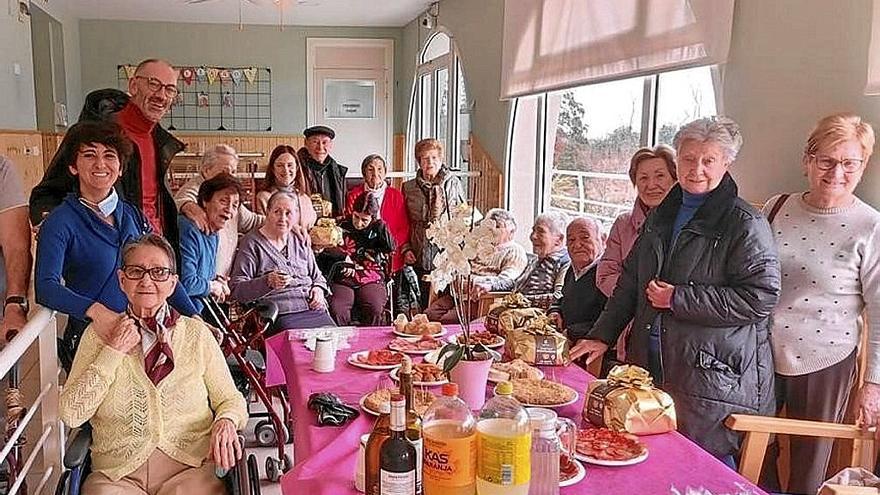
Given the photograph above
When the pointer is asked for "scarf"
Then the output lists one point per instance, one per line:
(156, 342)
(435, 195)
(378, 194)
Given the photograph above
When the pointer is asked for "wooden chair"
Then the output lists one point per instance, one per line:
(759, 428)
(487, 300)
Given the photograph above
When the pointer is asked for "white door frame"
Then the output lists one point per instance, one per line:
(312, 44)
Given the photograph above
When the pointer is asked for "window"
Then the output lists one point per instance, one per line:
(592, 132)
(440, 109)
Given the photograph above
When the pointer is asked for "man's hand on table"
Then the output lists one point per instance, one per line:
(591, 349)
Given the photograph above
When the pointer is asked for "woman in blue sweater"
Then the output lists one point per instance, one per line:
(80, 242)
(219, 197)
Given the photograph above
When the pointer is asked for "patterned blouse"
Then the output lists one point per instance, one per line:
(543, 278)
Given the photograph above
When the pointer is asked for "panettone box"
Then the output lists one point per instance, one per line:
(513, 311)
(538, 343)
(628, 401)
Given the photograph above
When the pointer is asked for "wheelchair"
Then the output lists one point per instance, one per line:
(243, 479)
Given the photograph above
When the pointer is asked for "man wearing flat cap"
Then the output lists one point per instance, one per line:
(323, 174)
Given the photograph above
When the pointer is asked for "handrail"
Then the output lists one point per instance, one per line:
(15, 349)
(40, 328)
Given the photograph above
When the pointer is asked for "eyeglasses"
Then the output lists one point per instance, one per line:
(137, 272)
(826, 163)
(155, 85)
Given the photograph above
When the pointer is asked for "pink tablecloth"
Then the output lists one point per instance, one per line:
(325, 457)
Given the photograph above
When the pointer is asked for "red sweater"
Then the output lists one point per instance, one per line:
(393, 212)
(140, 130)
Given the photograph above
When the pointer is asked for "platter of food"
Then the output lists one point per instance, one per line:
(605, 447)
(378, 359)
(488, 339)
(542, 393)
(424, 375)
(571, 471)
(422, 345)
(373, 402)
(417, 327)
(502, 372)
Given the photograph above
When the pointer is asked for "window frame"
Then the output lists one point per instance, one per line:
(648, 137)
(452, 63)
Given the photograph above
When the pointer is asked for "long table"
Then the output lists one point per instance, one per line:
(325, 457)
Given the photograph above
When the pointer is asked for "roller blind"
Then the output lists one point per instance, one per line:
(555, 44)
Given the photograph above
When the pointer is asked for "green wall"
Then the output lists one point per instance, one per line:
(106, 44)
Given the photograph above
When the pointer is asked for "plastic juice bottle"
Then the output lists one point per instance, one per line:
(504, 442)
(450, 443)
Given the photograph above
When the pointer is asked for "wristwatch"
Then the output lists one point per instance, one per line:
(19, 300)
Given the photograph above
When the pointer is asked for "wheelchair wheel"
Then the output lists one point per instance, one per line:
(253, 475)
(273, 469)
(286, 463)
(265, 433)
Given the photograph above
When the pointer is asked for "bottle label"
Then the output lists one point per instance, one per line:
(504, 460)
(450, 462)
(419, 446)
(397, 483)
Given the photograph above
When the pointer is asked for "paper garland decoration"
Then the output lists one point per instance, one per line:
(212, 74)
(129, 70)
(236, 76)
(187, 75)
(224, 75)
(228, 100)
(201, 74)
(251, 74)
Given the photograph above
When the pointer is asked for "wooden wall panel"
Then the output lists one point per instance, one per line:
(490, 184)
(25, 149)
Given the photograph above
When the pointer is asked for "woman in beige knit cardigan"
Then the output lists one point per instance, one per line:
(155, 388)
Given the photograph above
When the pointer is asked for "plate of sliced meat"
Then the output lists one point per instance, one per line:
(571, 471)
(379, 359)
(605, 447)
(422, 345)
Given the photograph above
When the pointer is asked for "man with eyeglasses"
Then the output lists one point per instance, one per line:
(145, 176)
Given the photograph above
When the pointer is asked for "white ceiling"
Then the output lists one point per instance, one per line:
(296, 12)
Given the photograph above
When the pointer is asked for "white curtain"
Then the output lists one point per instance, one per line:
(555, 44)
(873, 85)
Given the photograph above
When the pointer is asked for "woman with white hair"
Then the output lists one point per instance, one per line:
(700, 284)
(542, 280)
(220, 159)
(829, 251)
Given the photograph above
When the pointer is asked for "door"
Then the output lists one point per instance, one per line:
(354, 103)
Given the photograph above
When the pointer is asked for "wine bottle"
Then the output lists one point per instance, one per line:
(397, 456)
(413, 420)
(381, 432)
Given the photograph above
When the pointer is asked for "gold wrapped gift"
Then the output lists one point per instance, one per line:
(323, 208)
(325, 234)
(538, 343)
(514, 311)
(628, 401)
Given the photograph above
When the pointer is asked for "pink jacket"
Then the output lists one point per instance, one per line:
(621, 238)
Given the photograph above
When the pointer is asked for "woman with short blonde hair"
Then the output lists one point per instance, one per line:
(829, 249)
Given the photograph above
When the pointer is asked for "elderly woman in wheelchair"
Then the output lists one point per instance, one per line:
(156, 390)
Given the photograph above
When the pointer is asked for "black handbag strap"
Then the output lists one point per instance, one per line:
(776, 207)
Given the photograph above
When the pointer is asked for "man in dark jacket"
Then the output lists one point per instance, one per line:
(323, 174)
(700, 284)
(145, 180)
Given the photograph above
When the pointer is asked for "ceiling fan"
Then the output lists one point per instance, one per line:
(277, 3)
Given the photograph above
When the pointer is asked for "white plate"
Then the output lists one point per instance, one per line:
(453, 339)
(393, 373)
(352, 360)
(605, 462)
(365, 408)
(540, 376)
(582, 471)
(414, 351)
(416, 336)
(551, 406)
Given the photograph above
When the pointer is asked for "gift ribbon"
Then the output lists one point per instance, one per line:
(515, 300)
(629, 376)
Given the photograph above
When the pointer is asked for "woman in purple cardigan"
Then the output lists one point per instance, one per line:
(273, 265)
